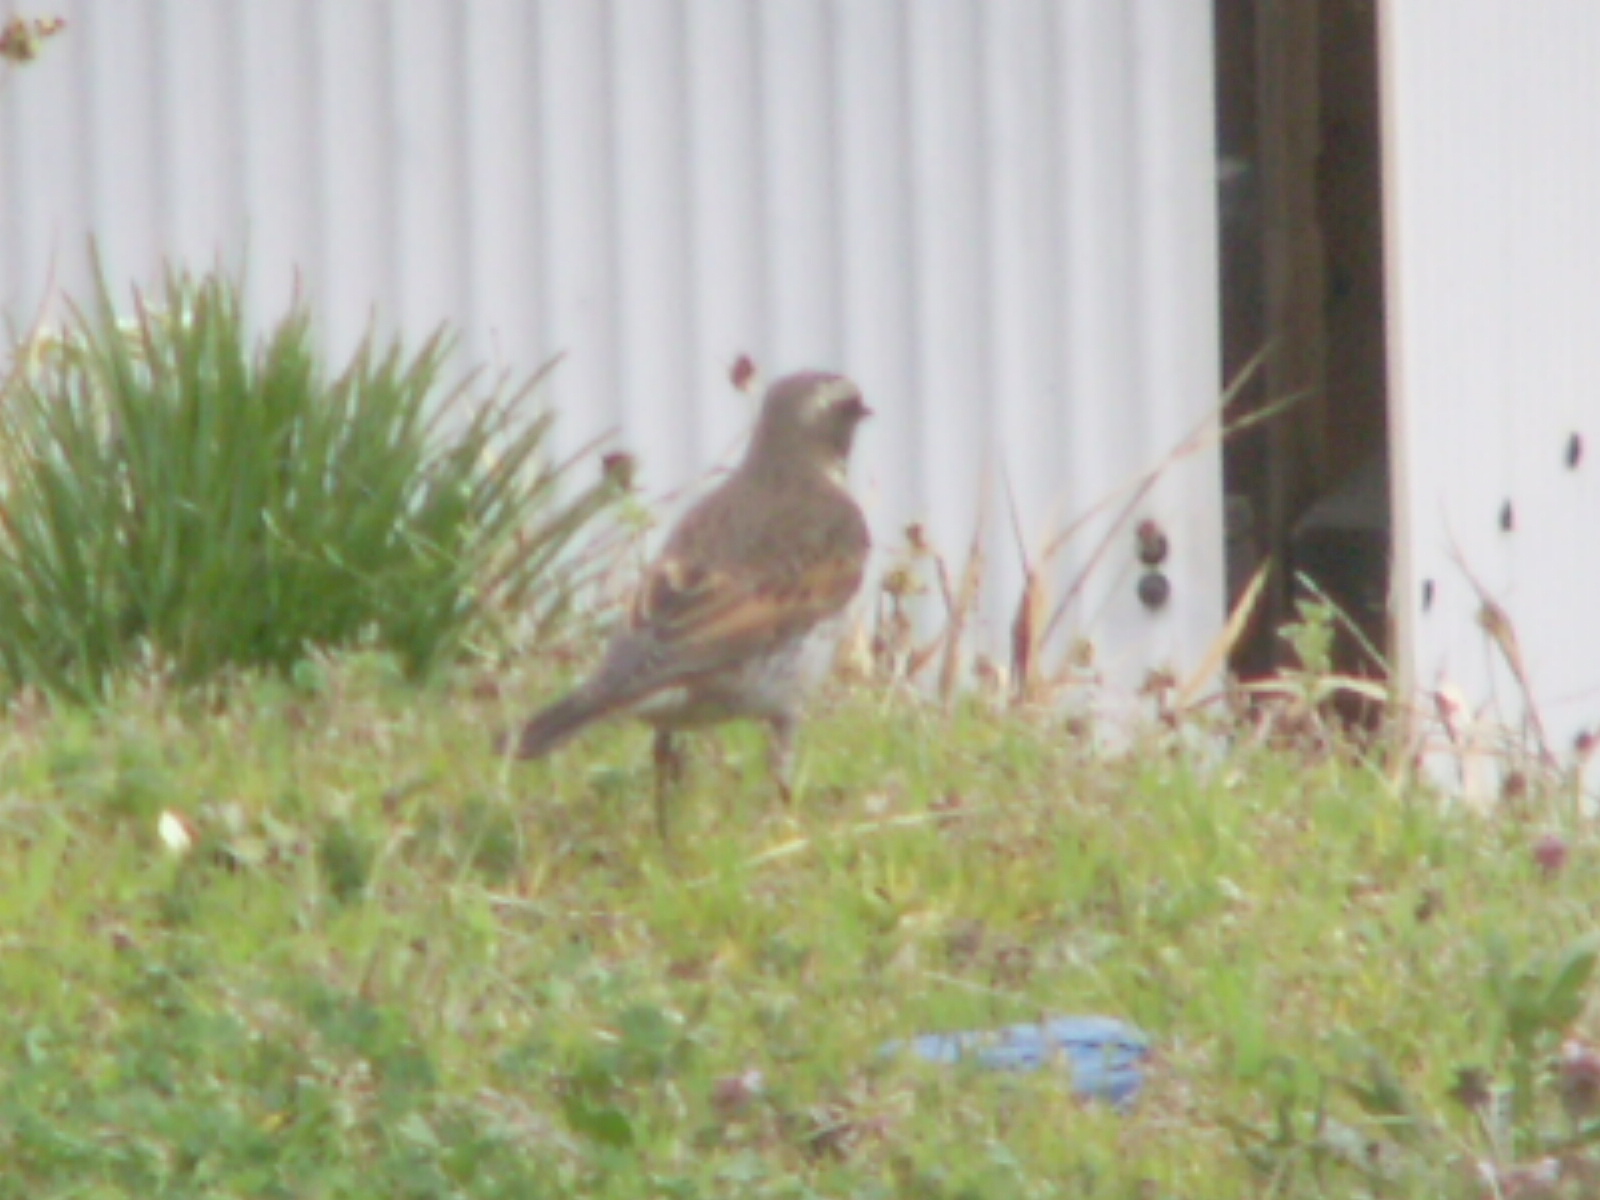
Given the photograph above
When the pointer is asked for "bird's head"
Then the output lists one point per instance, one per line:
(808, 421)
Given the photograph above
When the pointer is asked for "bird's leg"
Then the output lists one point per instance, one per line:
(780, 755)
(669, 774)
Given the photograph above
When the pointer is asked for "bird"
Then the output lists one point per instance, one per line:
(737, 616)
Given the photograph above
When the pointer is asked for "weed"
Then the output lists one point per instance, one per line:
(375, 964)
(176, 496)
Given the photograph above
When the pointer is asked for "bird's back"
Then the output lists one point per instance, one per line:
(753, 567)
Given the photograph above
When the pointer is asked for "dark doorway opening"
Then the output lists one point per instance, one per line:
(1301, 249)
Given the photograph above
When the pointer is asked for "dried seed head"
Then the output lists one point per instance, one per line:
(1474, 1088)
(619, 468)
(21, 39)
(1152, 543)
(731, 1094)
(744, 376)
(1551, 852)
(1578, 1079)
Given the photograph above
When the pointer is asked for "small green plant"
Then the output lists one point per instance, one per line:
(1539, 1002)
(1538, 1126)
(310, 943)
(173, 493)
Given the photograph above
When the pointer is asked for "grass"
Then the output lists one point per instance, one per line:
(176, 488)
(391, 964)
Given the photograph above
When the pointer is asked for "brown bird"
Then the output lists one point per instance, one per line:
(734, 618)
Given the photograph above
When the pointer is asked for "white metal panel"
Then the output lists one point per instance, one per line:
(725, 214)
(579, 256)
(275, 92)
(358, 271)
(1492, 161)
(505, 292)
(880, 287)
(997, 215)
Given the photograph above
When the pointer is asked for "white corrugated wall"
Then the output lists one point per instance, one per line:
(1492, 115)
(997, 214)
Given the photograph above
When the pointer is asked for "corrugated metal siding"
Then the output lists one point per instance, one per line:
(999, 217)
(1493, 181)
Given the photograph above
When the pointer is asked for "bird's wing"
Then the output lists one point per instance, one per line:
(726, 587)
(689, 622)
(710, 615)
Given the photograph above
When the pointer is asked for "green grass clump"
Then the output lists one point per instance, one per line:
(173, 490)
(380, 962)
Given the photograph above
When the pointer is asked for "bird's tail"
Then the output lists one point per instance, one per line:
(549, 728)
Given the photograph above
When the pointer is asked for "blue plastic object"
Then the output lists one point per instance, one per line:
(1106, 1056)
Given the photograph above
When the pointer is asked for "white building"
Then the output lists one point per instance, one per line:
(1001, 216)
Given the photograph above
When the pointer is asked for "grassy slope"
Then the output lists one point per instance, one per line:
(395, 966)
